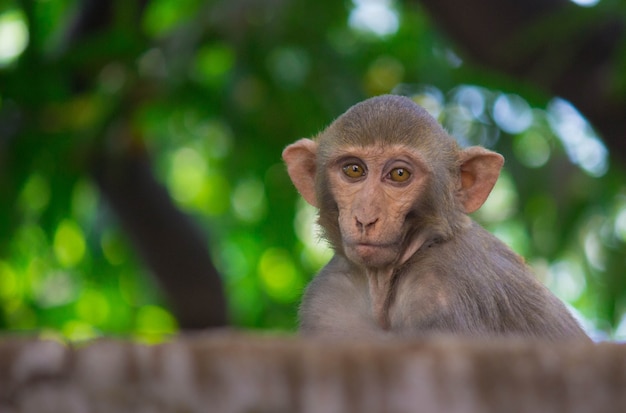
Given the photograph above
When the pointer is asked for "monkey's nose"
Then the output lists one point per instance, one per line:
(365, 224)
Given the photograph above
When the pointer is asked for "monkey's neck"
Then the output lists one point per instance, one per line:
(381, 286)
(382, 281)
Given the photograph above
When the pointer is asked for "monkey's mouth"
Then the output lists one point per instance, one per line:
(367, 249)
(370, 245)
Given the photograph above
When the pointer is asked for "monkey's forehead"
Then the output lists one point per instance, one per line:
(384, 135)
(376, 149)
(384, 128)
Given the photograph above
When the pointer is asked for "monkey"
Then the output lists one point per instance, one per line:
(393, 191)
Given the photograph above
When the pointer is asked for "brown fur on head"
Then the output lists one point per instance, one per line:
(447, 181)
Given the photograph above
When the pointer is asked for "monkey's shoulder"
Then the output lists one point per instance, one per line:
(475, 249)
(477, 267)
(337, 281)
(336, 303)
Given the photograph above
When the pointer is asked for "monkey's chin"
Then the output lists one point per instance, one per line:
(372, 255)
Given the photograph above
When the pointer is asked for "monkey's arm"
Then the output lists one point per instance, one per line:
(336, 304)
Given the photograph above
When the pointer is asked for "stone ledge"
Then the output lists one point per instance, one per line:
(245, 372)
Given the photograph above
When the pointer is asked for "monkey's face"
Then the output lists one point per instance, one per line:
(375, 190)
(386, 177)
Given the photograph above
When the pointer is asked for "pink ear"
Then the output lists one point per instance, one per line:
(300, 159)
(480, 169)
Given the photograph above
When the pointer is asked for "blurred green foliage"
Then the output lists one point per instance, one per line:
(214, 91)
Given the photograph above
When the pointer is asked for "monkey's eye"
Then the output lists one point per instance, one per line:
(399, 175)
(354, 170)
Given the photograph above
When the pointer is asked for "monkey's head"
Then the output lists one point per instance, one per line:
(387, 180)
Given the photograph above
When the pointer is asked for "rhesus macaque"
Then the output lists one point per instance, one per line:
(393, 191)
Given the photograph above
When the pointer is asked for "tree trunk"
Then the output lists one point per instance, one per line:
(167, 240)
(170, 244)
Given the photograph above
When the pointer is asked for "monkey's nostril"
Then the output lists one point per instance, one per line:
(365, 224)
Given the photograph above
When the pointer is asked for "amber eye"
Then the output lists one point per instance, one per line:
(399, 175)
(354, 170)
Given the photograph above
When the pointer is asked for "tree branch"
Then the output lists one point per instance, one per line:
(530, 41)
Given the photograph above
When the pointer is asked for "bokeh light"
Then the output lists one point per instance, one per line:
(582, 145)
(13, 36)
(374, 16)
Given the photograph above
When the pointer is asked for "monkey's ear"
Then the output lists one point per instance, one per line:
(480, 169)
(300, 158)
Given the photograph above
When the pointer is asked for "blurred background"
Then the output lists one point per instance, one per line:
(141, 186)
